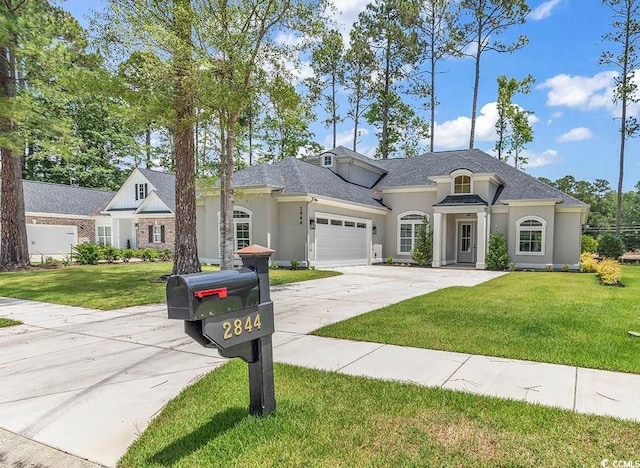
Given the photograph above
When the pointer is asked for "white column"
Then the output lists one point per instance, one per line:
(437, 240)
(481, 241)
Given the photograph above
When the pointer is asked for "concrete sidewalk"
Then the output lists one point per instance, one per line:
(88, 382)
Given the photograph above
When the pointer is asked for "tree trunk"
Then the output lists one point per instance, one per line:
(476, 84)
(186, 248)
(432, 98)
(147, 134)
(14, 249)
(334, 107)
(226, 196)
(356, 119)
(385, 103)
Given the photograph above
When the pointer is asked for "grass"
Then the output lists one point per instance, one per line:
(328, 419)
(551, 317)
(108, 287)
(5, 322)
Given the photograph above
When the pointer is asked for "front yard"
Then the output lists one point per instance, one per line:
(328, 419)
(112, 286)
(564, 318)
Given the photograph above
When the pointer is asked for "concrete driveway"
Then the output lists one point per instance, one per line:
(88, 382)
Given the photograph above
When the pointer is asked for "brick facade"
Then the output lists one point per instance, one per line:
(169, 233)
(86, 226)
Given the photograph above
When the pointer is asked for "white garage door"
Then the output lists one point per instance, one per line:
(341, 242)
(50, 240)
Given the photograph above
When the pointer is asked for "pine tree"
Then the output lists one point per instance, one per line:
(497, 254)
(422, 252)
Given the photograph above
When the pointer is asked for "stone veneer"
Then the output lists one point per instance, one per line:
(169, 233)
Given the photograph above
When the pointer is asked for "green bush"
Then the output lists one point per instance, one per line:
(127, 254)
(422, 252)
(589, 244)
(294, 264)
(609, 272)
(87, 253)
(498, 254)
(588, 264)
(610, 246)
(109, 253)
(389, 260)
(149, 255)
(165, 254)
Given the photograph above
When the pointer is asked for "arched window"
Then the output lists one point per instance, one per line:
(531, 235)
(462, 184)
(408, 224)
(242, 227)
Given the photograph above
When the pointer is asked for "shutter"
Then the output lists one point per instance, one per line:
(150, 234)
(136, 191)
(146, 192)
(162, 233)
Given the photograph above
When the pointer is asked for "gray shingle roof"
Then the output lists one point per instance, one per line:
(45, 197)
(341, 151)
(518, 185)
(294, 176)
(165, 185)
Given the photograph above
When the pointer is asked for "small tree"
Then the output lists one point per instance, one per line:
(498, 254)
(588, 244)
(422, 252)
(610, 246)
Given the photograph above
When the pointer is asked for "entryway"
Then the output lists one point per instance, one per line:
(466, 242)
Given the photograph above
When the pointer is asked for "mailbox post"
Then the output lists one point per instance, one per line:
(232, 311)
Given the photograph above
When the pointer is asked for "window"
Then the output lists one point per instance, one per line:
(336, 222)
(104, 235)
(156, 234)
(322, 221)
(530, 233)
(408, 224)
(327, 160)
(242, 228)
(141, 191)
(462, 184)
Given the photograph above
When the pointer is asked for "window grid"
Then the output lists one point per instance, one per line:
(104, 235)
(530, 237)
(157, 234)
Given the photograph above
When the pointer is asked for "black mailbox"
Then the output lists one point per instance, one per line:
(201, 295)
(232, 310)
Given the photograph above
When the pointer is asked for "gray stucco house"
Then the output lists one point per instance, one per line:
(343, 208)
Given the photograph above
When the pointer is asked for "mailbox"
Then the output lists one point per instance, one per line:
(201, 295)
(232, 310)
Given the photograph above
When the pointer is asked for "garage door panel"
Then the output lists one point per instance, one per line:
(50, 240)
(343, 244)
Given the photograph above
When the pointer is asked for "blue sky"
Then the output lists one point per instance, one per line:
(575, 131)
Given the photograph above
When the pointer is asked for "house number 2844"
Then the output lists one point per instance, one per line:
(239, 326)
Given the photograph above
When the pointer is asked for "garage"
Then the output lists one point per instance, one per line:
(341, 241)
(51, 240)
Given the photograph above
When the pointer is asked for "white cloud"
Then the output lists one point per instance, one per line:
(455, 133)
(289, 39)
(580, 92)
(346, 14)
(543, 10)
(575, 134)
(344, 138)
(545, 158)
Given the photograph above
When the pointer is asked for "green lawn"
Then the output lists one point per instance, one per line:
(5, 322)
(327, 419)
(564, 318)
(114, 286)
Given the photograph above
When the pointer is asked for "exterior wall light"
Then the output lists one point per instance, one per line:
(312, 224)
(374, 230)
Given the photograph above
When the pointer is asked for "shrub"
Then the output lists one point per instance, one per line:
(497, 253)
(548, 268)
(389, 260)
(87, 253)
(149, 255)
(165, 254)
(588, 264)
(109, 253)
(610, 246)
(127, 254)
(422, 252)
(273, 265)
(294, 264)
(609, 272)
(566, 268)
(588, 244)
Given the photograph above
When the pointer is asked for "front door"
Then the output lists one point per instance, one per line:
(467, 242)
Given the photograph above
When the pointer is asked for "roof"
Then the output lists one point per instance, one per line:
(518, 185)
(457, 200)
(165, 185)
(45, 197)
(294, 176)
(342, 152)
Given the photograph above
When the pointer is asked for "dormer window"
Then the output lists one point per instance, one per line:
(462, 184)
(327, 160)
(141, 191)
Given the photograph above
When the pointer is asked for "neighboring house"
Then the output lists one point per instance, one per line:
(142, 212)
(343, 208)
(60, 216)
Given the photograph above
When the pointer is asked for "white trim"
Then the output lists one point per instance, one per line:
(413, 233)
(411, 189)
(520, 228)
(462, 209)
(533, 202)
(499, 209)
(350, 206)
(459, 173)
(60, 215)
(152, 195)
(126, 185)
(323, 159)
(293, 198)
(474, 232)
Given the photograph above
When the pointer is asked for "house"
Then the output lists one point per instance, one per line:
(343, 208)
(60, 216)
(141, 213)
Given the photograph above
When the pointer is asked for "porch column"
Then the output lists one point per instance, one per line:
(481, 241)
(437, 240)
